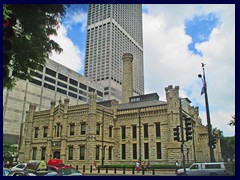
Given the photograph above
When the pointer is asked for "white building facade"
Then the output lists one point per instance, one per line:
(54, 82)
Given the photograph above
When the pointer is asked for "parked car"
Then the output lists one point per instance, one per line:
(65, 170)
(52, 173)
(62, 169)
(21, 173)
(6, 171)
(19, 166)
(204, 169)
(37, 167)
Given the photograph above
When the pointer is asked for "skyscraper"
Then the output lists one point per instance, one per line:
(114, 29)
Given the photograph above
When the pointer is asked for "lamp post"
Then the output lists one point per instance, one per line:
(204, 91)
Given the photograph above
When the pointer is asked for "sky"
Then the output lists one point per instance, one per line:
(176, 40)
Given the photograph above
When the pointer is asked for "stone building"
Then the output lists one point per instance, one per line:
(109, 132)
(81, 134)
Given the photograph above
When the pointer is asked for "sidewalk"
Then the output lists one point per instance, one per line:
(119, 172)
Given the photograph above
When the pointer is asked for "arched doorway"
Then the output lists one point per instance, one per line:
(56, 155)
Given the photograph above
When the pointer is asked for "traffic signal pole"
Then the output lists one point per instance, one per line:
(182, 136)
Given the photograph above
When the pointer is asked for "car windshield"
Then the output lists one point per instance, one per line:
(68, 171)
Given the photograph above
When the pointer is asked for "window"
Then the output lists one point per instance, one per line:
(36, 74)
(49, 86)
(72, 95)
(134, 131)
(73, 82)
(45, 131)
(98, 129)
(62, 77)
(62, 84)
(110, 153)
(58, 130)
(70, 153)
(50, 79)
(110, 131)
(82, 152)
(83, 86)
(50, 72)
(159, 152)
(145, 126)
(34, 153)
(212, 166)
(34, 81)
(43, 154)
(146, 152)
(72, 88)
(71, 129)
(123, 151)
(90, 89)
(36, 132)
(83, 128)
(134, 146)
(99, 93)
(97, 152)
(123, 132)
(61, 91)
(158, 132)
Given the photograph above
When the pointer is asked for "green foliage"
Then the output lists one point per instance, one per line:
(31, 44)
(228, 147)
(9, 150)
(232, 122)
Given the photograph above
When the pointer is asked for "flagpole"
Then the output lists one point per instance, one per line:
(209, 126)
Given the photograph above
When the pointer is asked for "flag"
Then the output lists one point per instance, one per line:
(204, 87)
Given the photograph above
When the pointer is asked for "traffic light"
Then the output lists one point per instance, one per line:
(214, 141)
(176, 133)
(8, 33)
(188, 128)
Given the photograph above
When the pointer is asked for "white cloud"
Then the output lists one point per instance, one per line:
(167, 60)
(76, 17)
(71, 55)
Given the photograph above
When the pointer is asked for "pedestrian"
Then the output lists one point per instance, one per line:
(94, 165)
(176, 166)
(138, 166)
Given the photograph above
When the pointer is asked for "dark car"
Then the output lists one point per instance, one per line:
(21, 173)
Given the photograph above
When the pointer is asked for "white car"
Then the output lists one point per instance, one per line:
(19, 166)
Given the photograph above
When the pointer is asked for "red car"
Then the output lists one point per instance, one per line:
(63, 170)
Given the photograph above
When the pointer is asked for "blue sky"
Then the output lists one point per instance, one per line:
(174, 48)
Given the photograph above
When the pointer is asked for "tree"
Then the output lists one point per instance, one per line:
(31, 45)
(9, 151)
(232, 122)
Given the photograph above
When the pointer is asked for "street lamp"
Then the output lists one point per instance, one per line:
(204, 91)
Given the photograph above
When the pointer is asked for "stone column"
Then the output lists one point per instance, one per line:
(127, 80)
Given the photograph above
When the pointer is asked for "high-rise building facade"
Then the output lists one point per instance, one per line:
(114, 29)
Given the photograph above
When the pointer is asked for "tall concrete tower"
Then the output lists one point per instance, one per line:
(127, 85)
(112, 30)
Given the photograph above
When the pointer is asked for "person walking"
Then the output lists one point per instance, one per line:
(94, 165)
(176, 166)
(138, 166)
